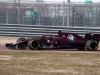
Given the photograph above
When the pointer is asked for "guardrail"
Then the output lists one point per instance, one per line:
(22, 30)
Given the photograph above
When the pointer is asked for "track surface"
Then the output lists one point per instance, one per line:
(3, 48)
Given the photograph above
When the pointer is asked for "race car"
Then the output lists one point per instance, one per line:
(61, 40)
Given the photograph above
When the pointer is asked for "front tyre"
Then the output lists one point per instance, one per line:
(92, 45)
(21, 45)
(33, 44)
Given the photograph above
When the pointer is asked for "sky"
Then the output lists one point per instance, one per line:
(55, 0)
(74, 0)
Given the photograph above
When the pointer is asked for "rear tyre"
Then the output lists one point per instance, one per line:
(21, 45)
(92, 45)
(33, 44)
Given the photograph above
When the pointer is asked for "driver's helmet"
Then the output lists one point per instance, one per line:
(59, 33)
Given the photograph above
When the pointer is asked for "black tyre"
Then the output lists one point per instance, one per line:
(33, 44)
(92, 45)
(21, 45)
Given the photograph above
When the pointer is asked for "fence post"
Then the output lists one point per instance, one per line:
(68, 13)
(18, 11)
(15, 12)
(63, 13)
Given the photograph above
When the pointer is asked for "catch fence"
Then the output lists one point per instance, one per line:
(53, 14)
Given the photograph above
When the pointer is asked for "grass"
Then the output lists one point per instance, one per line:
(48, 63)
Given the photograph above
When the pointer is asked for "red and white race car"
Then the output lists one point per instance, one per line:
(61, 40)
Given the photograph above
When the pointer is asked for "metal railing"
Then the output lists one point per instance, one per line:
(22, 30)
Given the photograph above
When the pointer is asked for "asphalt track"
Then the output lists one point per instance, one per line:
(3, 48)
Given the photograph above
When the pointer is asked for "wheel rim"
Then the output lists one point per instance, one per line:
(34, 44)
(93, 45)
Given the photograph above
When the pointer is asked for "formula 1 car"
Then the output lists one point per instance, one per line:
(61, 40)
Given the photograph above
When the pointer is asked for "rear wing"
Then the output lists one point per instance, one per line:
(96, 36)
